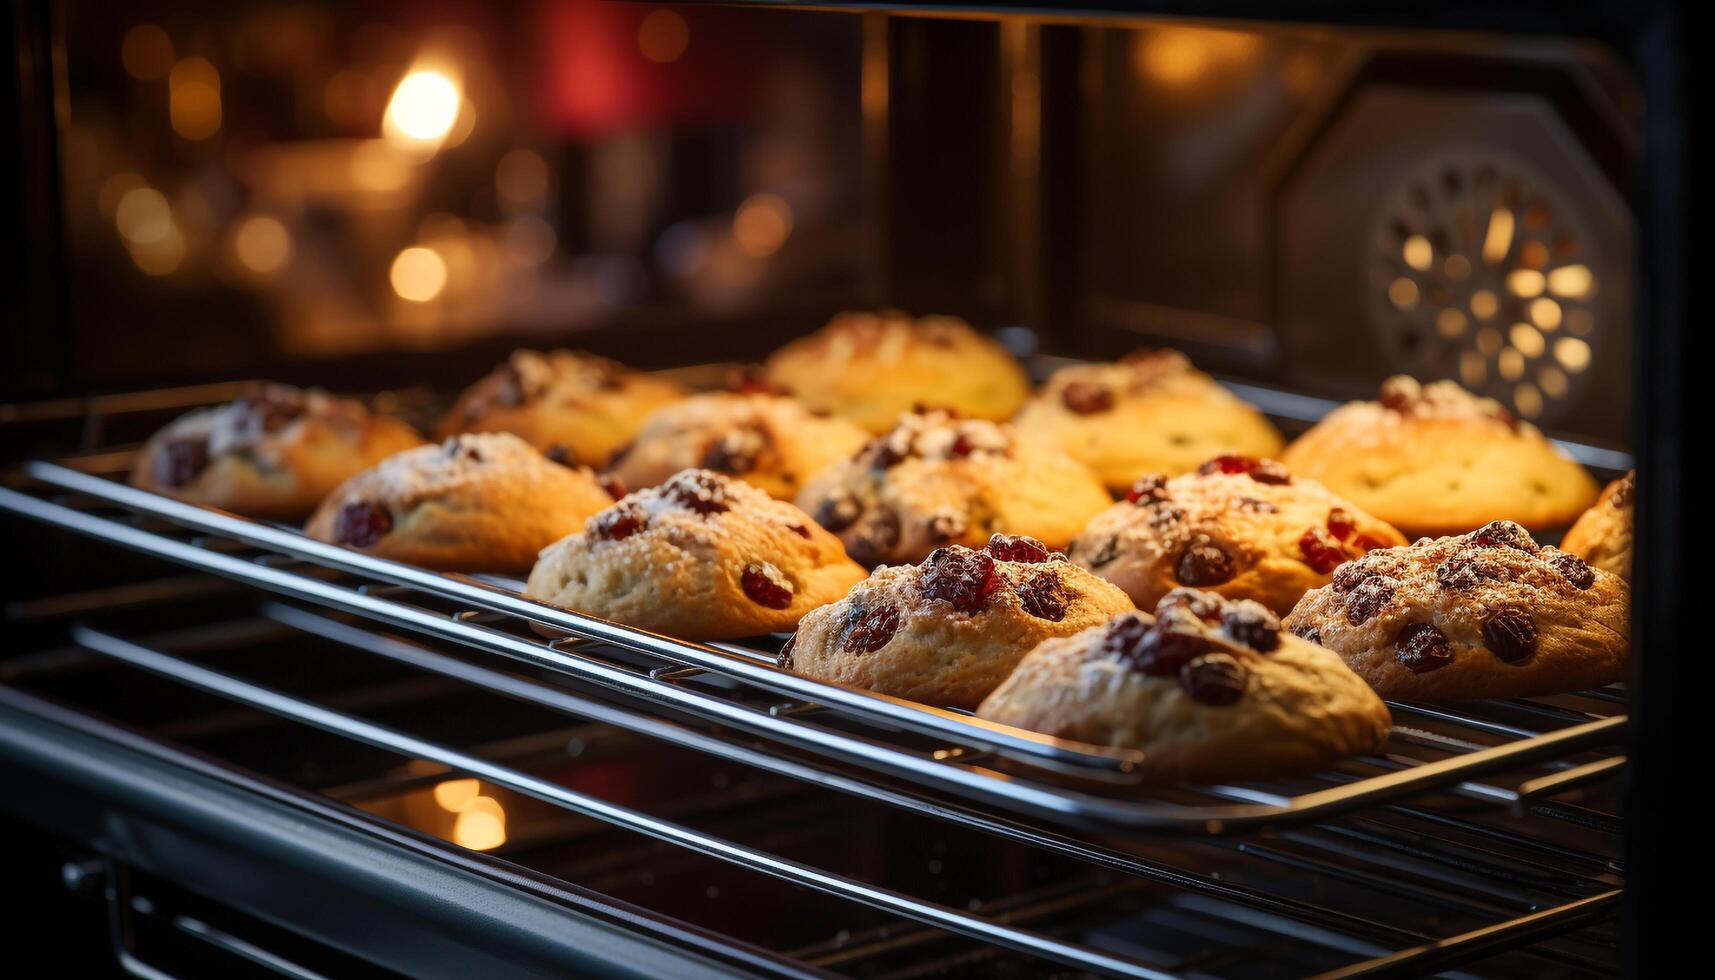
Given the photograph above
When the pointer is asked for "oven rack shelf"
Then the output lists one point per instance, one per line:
(950, 754)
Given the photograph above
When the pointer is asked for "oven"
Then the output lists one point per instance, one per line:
(229, 749)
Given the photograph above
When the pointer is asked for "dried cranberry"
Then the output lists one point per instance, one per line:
(961, 447)
(945, 527)
(1321, 551)
(784, 661)
(838, 511)
(1228, 463)
(1368, 599)
(874, 544)
(749, 380)
(613, 486)
(1422, 648)
(1253, 625)
(1504, 534)
(1023, 548)
(1172, 648)
(1128, 636)
(800, 530)
(1341, 523)
(1400, 392)
(361, 523)
(1574, 569)
(1215, 679)
(735, 452)
(1510, 634)
(619, 522)
(1366, 543)
(179, 462)
(1147, 489)
(1203, 563)
(703, 493)
(1045, 596)
(1270, 472)
(960, 577)
(766, 585)
(1087, 397)
(872, 629)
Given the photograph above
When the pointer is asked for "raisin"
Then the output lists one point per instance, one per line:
(1504, 534)
(1165, 515)
(1106, 554)
(1321, 550)
(1422, 648)
(1341, 524)
(1206, 606)
(1510, 634)
(1215, 679)
(1147, 489)
(1203, 563)
(1256, 506)
(881, 453)
(1044, 596)
(838, 511)
(1253, 625)
(766, 585)
(1172, 649)
(946, 527)
(703, 493)
(1351, 575)
(1464, 572)
(1368, 599)
(1270, 472)
(960, 577)
(1021, 548)
(558, 453)
(361, 523)
(737, 451)
(1309, 634)
(872, 629)
(1087, 397)
(875, 543)
(1574, 569)
(784, 661)
(619, 522)
(1400, 392)
(508, 386)
(179, 462)
(800, 530)
(271, 410)
(1228, 463)
(749, 380)
(1128, 637)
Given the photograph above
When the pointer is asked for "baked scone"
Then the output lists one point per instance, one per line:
(767, 440)
(272, 453)
(936, 480)
(577, 407)
(1490, 614)
(701, 556)
(1241, 527)
(1208, 689)
(1436, 459)
(947, 631)
(1150, 413)
(1603, 535)
(870, 367)
(478, 502)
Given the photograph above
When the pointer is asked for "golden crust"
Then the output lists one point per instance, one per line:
(273, 453)
(769, 441)
(938, 654)
(1438, 460)
(681, 571)
(1258, 526)
(870, 367)
(479, 502)
(579, 406)
(1150, 413)
(1300, 708)
(1603, 534)
(935, 480)
(1511, 618)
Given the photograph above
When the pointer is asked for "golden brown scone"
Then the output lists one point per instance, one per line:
(1240, 527)
(1150, 413)
(1488, 614)
(272, 453)
(702, 556)
(577, 407)
(1603, 535)
(947, 631)
(936, 480)
(870, 367)
(478, 502)
(1436, 459)
(1209, 689)
(769, 441)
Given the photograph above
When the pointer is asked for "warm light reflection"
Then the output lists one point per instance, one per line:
(1402, 293)
(481, 824)
(456, 794)
(1580, 321)
(1473, 368)
(1528, 341)
(663, 36)
(1418, 253)
(1527, 400)
(1450, 323)
(1484, 304)
(761, 225)
(418, 274)
(262, 244)
(1499, 238)
(1553, 381)
(1572, 353)
(1545, 312)
(521, 179)
(143, 216)
(193, 98)
(1457, 267)
(1571, 281)
(146, 53)
(423, 109)
(1510, 364)
(1524, 283)
(1182, 55)
(1489, 341)
(160, 256)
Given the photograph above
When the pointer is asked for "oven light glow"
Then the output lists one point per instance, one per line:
(1545, 312)
(1527, 400)
(143, 216)
(761, 225)
(1499, 239)
(1572, 353)
(1571, 281)
(1524, 283)
(481, 825)
(1484, 304)
(1418, 253)
(262, 244)
(418, 274)
(456, 794)
(663, 36)
(146, 52)
(193, 98)
(1528, 341)
(423, 109)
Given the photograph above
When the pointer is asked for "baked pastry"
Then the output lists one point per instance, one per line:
(1603, 535)
(1240, 527)
(870, 367)
(1436, 459)
(577, 407)
(1150, 413)
(272, 453)
(1490, 614)
(478, 502)
(1208, 689)
(949, 630)
(701, 556)
(767, 440)
(936, 480)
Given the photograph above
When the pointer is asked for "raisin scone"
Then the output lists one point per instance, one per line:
(577, 407)
(1241, 527)
(1209, 689)
(478, 502)
(766, 440)
(870, 367)
(1490, 614)
(1150, 413)
(936, 480)
(1603, 535)
(272, 453)
(1436, 459)
(947, 631)
(702, 556)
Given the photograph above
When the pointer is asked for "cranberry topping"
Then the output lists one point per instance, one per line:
(1008, 547)
(1341, 523)
(1253, 625)
(1365, 543)
(1422, 648)
(961, 447)
(179, 462)
(784, 661)
(1204, 564)
(700, 492)
(1322, 550)
(1504, 534)
(1400, 392)
(766, 585)
(619, 522)
(749, 380)
(876, 541)
(1215, 679)
(1087, 397)
(1045, 597)
(271, 410)
(960, 577)
(1228, 463)
(361, 523)
(872, 629)
(612, 485)
(1368, 599)
(1147, 489)
(1510, 634)
(838, 511)
(1574, 569)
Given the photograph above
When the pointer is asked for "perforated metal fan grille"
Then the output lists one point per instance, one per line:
(1484, 272)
